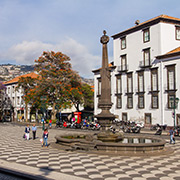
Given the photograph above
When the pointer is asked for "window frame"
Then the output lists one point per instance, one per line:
(123, 39)
(144, 35)
(123, 62)
(140, 73)
(118, 105)
(124, 115)
(154, 71)
(176, 31)
(130, 96)
(149, 55)
(169, 101)
(129, 76)
(171, 68)
(118, 85)
(145, 118)
(139, 105)
(152, 101)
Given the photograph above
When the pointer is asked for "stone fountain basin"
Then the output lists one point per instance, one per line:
(90, 143)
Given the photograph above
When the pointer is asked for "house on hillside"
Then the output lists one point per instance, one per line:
(144, 77)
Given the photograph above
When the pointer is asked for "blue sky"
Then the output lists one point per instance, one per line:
(74, 27)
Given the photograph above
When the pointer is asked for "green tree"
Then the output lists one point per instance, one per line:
(81, 94)
(88, 96)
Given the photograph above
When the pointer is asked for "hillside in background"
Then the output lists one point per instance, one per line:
(10, 71)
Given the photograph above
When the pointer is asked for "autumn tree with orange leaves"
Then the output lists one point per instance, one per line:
(56, 76)
(57, 83)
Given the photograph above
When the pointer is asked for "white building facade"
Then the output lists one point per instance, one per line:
(144, 80)
(18, 110)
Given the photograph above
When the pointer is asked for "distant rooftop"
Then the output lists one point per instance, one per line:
(16, 79)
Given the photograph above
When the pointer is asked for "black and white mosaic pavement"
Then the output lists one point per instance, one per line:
(90, 166)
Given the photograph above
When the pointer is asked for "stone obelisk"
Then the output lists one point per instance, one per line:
(105, 117)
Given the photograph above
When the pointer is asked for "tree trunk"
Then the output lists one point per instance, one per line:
(26, 107)
(37, 120)
(53, 114)
(77, 107)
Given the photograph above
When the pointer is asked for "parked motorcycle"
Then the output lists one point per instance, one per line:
(59, 124)
(159, 131)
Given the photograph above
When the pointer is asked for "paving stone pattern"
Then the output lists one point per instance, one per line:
(91, 166)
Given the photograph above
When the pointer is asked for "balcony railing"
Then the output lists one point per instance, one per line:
(150, 89)
(138, 91)
(145, 64)
(123, 68)
(168, 89)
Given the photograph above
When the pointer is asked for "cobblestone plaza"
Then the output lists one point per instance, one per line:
(16, 151)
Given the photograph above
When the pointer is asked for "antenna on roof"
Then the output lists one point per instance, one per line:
(137, 22)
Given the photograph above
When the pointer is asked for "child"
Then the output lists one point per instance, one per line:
(45, 138)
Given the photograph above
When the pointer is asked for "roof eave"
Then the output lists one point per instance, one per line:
(144, 25)
(168, 55)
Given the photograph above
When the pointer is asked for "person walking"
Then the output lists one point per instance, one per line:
(50, 123)
(27, 131)
(45, 138)
(171, 133)
(34, 129)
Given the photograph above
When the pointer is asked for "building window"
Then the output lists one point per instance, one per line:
(13, 89)
(18, 100)
(123, 63)
(154, 80)
(118, 85)
(124, 117)
(119, 102)
(146, 60)
(146, 35)
(171, 78)
(99, 87)
(154, 101)
(129, 101)
(8, 90)
(148, 118)
(118, 91)
(141, 101)
(123, 43)
(177, 33)
(171, 102)
(129, 83)
(141, 81)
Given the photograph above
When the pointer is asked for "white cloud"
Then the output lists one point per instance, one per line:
(81, 59)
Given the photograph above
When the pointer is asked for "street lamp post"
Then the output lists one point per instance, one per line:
(174, 104)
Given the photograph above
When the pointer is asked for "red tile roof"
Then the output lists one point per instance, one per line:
(16, 79)
(174, 50)
(161, 17)
(172, 53)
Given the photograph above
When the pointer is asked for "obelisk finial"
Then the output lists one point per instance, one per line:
(104, 38)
